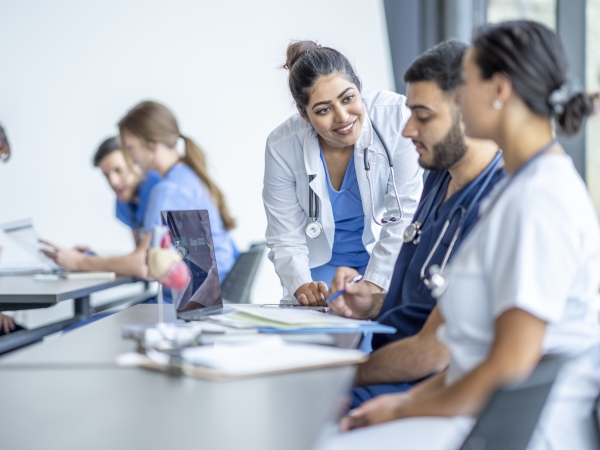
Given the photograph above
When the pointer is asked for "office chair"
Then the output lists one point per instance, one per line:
(597, 417)
(511, 415)
(237, 286)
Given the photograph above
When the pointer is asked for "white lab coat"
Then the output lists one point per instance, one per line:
(293, 153)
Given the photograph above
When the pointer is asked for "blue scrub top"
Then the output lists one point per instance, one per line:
(133, 214)
(409, 302)
(181, 190)
(348, 248)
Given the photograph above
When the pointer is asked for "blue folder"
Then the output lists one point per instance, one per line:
(373, 328)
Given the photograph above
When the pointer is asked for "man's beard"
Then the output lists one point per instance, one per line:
(449, 150)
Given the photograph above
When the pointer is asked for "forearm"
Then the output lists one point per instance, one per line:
(516, 350)
(405, 360)
(133, 264)
(465, 397)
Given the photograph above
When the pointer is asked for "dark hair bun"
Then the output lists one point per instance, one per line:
(576, 110)
(295, 50)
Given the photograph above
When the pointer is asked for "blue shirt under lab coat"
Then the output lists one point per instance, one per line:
(409, 302)
(348, 248)
(181, 190)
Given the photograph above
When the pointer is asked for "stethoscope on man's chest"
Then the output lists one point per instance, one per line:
(412, 234)
(314, 228)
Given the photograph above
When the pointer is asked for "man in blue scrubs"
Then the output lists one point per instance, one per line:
(462, 173)
(130, 185)
(133, 189)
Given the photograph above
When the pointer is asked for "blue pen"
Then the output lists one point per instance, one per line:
(342, 291)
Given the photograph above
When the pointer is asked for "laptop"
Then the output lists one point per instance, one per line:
(192, 238)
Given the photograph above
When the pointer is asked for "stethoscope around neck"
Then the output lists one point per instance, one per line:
(314, 228)
(435, 280)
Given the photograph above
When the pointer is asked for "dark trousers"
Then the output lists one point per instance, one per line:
(363, 393)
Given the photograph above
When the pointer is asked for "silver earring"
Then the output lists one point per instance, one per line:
(497, 104)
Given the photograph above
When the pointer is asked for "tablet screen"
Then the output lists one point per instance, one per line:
(192, 238)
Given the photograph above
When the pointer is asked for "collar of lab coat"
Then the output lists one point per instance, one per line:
(312, 154)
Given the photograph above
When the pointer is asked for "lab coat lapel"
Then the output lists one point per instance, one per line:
(312, 162)
(314, 166)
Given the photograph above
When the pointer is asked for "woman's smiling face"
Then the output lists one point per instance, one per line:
(335, 110)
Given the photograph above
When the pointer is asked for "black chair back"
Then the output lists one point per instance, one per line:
(597, 418)
(237, 286)
(511, 415)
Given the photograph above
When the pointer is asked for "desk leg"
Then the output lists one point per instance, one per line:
(82, 307)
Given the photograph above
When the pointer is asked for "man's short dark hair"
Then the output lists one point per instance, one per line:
(106, 148)
(441, 64)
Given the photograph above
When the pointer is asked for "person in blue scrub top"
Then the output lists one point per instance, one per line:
(463, 171)
(150, 133)
(341, 183)
(132, 188)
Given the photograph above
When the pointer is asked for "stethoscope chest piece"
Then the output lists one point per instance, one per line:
(412, 233)
(313, 229)
(436, 281)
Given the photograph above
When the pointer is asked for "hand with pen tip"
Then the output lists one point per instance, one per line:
(356, 301)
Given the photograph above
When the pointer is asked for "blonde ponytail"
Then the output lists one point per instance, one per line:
(194, 158)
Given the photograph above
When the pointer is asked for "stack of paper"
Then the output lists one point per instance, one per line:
(263, 356)
(282, 320)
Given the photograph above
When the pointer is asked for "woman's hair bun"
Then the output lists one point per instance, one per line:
(295, 50)
(576, 110)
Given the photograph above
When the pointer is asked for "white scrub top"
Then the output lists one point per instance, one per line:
(538, 249)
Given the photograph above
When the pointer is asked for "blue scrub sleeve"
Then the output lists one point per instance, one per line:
(407, 319)
(123, 213)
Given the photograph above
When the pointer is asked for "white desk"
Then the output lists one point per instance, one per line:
(23, 292)
(68, 394)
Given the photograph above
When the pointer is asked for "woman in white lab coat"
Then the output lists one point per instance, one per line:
(323, 209)
(525, 281)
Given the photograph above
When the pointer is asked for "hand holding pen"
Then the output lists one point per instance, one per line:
(335, 295)
(349, 297)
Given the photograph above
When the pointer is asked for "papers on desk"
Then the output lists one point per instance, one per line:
(267, 355)
(261, 355)
(21, 253)
(290, 320)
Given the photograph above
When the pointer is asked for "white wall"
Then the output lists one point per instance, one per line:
(69, 70)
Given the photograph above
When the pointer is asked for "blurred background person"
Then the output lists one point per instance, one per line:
(7, 323)
(129, 184)
(149, 133)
